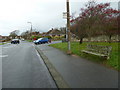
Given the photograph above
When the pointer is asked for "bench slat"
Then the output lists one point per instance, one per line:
(93, 53)
(99, 50)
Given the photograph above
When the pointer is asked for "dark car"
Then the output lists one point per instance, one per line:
(41, 41)
(15, 41)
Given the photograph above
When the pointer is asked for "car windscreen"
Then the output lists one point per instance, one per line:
(39, 39)
(45, 38)
(15, 39)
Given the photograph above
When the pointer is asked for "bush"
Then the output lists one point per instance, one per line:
(49, 37)
(36, 37)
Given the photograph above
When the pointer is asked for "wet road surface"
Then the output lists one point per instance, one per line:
(22, 67)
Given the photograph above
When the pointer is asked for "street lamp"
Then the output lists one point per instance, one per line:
(31, 28)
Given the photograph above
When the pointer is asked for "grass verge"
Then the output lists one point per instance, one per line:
(2, 43)
(29, 40)
(76, 49)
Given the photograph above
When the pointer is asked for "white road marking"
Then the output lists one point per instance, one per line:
(9, 46)
(33, 45)
(3, 56)
(40, 59)
(5, 47)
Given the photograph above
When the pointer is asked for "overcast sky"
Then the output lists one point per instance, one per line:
(44, 14)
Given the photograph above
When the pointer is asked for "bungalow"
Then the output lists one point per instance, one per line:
(4, 38)
(0, 38)
(55, 32)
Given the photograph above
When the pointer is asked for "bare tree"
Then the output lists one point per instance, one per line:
(14, 33)
(25, 34)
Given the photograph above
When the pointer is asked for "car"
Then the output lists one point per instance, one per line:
(41, 41)
(36, 41)
(15, 41)
(22, 39)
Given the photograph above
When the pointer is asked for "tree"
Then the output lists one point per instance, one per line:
(95, 19)
(79, 29)
(25, 35)
(111, 27)
(14, 33)
(63, 30)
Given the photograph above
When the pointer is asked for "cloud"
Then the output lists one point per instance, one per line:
(44, 14)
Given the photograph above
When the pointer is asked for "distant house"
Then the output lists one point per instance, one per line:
(4, 38)
(55, 32)
(43, 34)
(35, 33)
(0, 38)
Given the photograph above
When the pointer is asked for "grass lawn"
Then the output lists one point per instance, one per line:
(2, 43)
(76, 49)
(29, 40)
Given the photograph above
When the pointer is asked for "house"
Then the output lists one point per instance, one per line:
(43, 34)
(0, 38)
(35, 33)
(4, 38)
(55, 32)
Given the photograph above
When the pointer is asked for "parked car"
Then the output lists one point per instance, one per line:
(36, 41)
(22, 39)
(15, 41)
(41, 41)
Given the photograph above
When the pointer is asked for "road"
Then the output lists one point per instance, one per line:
(22, 67)
(0, 67)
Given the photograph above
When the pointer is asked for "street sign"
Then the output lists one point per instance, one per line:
(65, 15)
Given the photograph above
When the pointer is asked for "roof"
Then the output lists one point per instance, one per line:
(54, 32)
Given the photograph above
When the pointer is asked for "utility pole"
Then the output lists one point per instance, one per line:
(68, 27)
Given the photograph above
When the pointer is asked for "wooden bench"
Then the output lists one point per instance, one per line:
(99, 50)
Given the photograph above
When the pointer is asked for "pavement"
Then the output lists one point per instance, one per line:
(78, 72)
(22, 67)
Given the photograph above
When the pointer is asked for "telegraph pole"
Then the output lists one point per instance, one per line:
(68, 27)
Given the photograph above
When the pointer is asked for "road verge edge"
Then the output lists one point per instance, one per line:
(60, 82)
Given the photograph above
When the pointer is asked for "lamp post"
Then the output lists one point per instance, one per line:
(68, 26)
(31, 26)
(30, 29)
